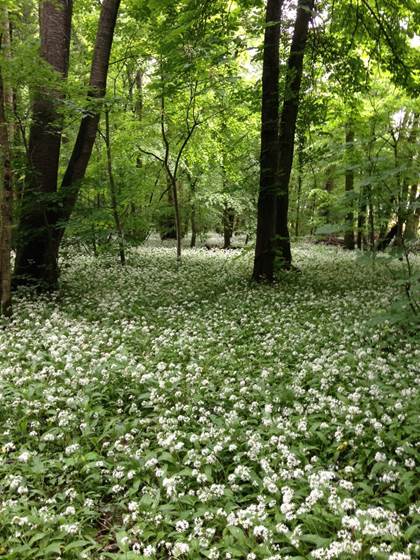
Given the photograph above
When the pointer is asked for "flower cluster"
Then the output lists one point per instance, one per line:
(159, 411)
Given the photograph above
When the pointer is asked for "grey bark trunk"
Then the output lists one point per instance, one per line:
(266, 217)
(35, 262)
(288, 129)
(6, 208)
(349, 188)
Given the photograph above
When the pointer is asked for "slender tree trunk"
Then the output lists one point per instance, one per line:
(113, 191)
(301, 145)
(412, 226)
(228, 225)
(361, 220)
(35, 262)
(288, 127)
(9, 95)
(139, 96)
(174, 195)
(371, 219)
(266, 217)
(82, 150)
(406, 215)
(193, 215)
(329, 186)
(385, 241)
(349, 188)
(6, 208)
(168, 223)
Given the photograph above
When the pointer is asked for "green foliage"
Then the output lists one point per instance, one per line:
(158, 408)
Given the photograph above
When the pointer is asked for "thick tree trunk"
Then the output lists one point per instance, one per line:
(266, 217)
(39, 259)
(113, 191)
(288, 128)
(349, 188)
(35, 262)
(6, 208)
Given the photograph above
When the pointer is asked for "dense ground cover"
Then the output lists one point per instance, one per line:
(156, 413)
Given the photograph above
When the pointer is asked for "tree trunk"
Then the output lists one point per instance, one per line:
(9, 95)
(266, 217)
(411, 229)
(168, 223)
(228, 225)
(361, 220)
(329, 186)
(85, 140)
(113, 191)
(301, 145)
(288, 127)
(177, 218)
(408, 195)
(193, 215)
(349, 188)
(35, 262)
(385, 241)
(139, 94)
(371, 219)
(6, 209)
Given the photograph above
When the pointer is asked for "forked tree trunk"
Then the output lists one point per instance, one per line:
(6, 208)
(43, 222)
(35, 262)
(349, 188)
(266, 217)
(288, 128)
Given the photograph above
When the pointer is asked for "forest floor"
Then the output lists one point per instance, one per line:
(159, 413)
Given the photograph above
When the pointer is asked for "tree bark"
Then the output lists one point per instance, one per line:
(193, 214)
(85, 140)
(44, 221)
(386, 240)
(288, 128)
(266, 216)
(6, 208)
(35, 262)
(113, 191)
(9, 95)
(412, 226)
(361, 220)
(228, 224)
(349, 188)
(301, 145)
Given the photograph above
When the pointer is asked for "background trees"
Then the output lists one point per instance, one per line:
(183, 107)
